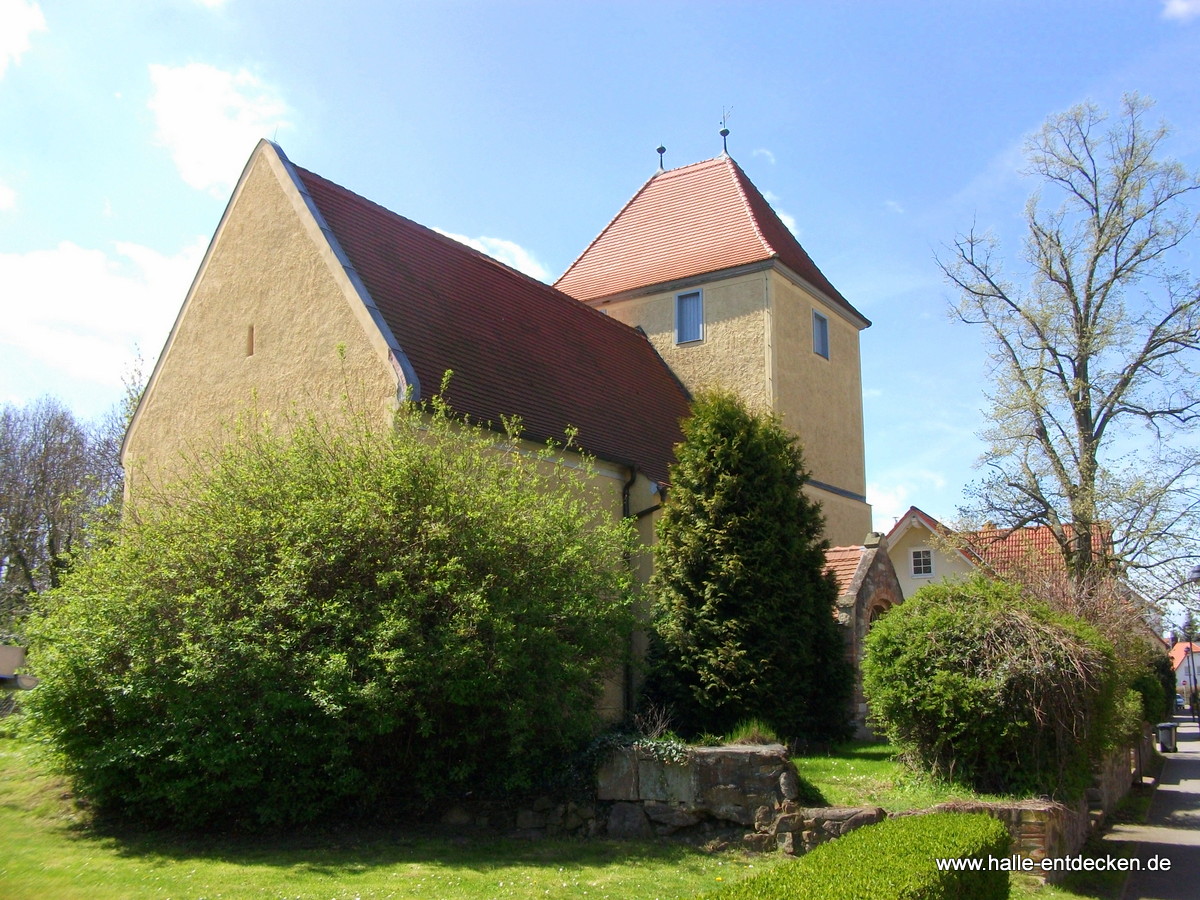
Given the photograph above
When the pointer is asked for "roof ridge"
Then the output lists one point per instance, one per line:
(678, 170)
(610, 224)
(559, 295)
(742, 180)
(432, 231)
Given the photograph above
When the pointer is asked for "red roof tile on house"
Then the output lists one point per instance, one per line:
(691, 221)
(516, 346)
(1014, 549)
(1179, 653)
(843, 562)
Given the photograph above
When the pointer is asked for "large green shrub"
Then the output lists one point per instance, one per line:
(894, 860)
(977, 683)
(335, 621)
(744, 608)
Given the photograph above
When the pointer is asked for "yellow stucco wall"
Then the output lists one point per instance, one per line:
(847, 521)
(758, 343)
(268, 274)
(947, 564)
(821, 401)
(732, 354)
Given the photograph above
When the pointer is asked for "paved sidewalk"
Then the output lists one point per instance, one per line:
(1172, 830)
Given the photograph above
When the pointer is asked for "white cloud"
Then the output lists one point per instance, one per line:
(763, 151)
(212, 4)
(209, 120)
(891, 498)
(81, 314)
(893, 206)
(8, 197)
(1183, 10)
(787, 218)
(18, 20)
(508, 252)
(888, 504)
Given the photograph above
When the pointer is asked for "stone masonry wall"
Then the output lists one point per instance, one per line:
(753, 791)
(723, 787)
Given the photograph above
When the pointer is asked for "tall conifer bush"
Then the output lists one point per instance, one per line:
(744, 608)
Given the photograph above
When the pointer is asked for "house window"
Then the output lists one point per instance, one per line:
(689, 318)
(922, 563)
(820, 335)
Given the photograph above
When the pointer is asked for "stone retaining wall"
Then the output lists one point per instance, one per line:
(1042, 829)
(726, 791)
(729, 788)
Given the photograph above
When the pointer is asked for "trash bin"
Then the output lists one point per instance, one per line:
(1166, 736)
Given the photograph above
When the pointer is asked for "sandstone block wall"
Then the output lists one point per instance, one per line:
(724, 788)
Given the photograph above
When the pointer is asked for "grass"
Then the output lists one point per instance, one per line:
(869, 774)
(52, 849)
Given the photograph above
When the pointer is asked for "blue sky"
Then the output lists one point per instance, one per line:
(878, 130)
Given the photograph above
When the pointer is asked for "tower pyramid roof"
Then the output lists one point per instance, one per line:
(701, 218)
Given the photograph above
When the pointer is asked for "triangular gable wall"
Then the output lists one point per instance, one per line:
(274, 321)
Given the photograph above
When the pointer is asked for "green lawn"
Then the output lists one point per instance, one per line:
(50, 851)
(868, 774)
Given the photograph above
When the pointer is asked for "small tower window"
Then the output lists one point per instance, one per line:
(250, 341)
(820, 335)
(689, 317)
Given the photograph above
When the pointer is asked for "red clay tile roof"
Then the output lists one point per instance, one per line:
(926, 519)
(843, 563)
(690, 221)
(1179, 653)
(1002, 550)
(516, 346)
(1005, 550)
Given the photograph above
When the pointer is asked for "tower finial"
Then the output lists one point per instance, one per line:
(660, 151)
(724, 132)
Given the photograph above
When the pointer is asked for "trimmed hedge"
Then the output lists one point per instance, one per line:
(894, 860)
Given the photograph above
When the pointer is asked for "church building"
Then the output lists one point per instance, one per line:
(310, 297)
(309, 293)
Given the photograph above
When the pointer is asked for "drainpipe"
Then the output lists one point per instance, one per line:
(628, 686)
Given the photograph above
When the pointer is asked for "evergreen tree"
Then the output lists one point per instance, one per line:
(744, 607)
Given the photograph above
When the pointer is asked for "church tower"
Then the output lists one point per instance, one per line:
(701, 263)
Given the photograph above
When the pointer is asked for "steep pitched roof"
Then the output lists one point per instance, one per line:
(516, 346)
(915, 516)
(1179, 653)
(843, 563)
(691, 221)
(1019, 549)
(1000, 550)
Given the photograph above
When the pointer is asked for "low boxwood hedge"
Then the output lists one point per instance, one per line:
(894, 860)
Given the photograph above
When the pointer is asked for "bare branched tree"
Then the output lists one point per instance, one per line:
(55, 472)
(1093, 347)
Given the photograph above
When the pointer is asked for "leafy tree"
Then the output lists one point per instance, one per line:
(977, 683)
(333, 622)
(744, 608)
(1093, 345)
